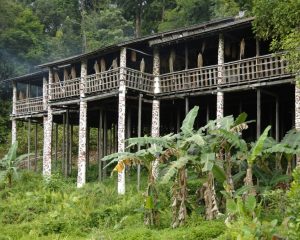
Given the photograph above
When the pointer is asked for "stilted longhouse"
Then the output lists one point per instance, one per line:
(147, 85)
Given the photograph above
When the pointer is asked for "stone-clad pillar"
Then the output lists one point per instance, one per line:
(81, 176)
(121, 117)
(13, 121)
(220, 95)
(156, 103)
(297, 112)
(48, 121)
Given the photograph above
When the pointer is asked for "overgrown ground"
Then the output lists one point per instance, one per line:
(33, 209)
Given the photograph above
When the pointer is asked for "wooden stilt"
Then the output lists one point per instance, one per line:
(63, 146)
(186, 105)
(35, 147)
(71, 146)
(178, 120)
(28, 143)
(207, 113)
(139, 132)
(56, 146)
(88, 147)
(104, 140)
(258, 113)
(67, 161)
(186, 56)
(100, 145)
(277, 120)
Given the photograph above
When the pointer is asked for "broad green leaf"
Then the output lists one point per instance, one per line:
(149, 204)
(258, 147)
(188, 123)
(240, 119)
(219, 173)
(250, 203)
(231, 206)
(208, 160)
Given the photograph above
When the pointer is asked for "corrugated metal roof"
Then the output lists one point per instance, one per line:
(29, 76)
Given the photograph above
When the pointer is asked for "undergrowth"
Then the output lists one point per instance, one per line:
(35, 209)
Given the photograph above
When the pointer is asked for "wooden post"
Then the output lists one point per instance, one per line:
(129, 123)
(48, 121)
(71, 146)
(88, 135)
(81, 176)
(277, 119)
(100, 145)
(28, 143)
(56, 145)
(104, 140)
(13, 121)
(178, 120)
(63, 146)
(297, 113)
(156, 103)
(67, 162)
(207, 113)
(186, 105)
(220, 95)
(139, 132)
(258, 113)
(122, 116)
(186, 56)
(35, 146)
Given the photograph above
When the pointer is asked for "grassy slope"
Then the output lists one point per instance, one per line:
(32, 209)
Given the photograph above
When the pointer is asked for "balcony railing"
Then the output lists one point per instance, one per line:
(205, 77)
(139, 80)
(65, 89)
(254, 69)
(250, 70)
(29, 105)
(102, 82)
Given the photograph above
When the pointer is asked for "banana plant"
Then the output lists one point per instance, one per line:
(252, 156)
(9, 165)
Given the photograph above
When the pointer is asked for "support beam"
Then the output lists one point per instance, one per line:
(139, 133)
(56, 145)
(277, 134)
(28, 143)
(35, 146)
(14, 122)
(220, 95)
(104, 140)
(297, 113)
(81, 176)
(207, 113)
(100, 145)
(67, 162)
(122, 117)
(186, 56)
(186, 105)
(70, 147)
(258, 113)
(63, 146)
(48, 121)
(155, 129)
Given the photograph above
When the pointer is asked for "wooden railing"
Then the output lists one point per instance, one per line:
(205, 77)
(65, 89)
(29, 105)
(139, 80)
(254, 69)
(102, 82)
(241, 72)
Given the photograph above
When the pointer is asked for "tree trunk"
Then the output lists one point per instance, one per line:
(249, 180)
(210, 198)
(138, 23)
(229, 179)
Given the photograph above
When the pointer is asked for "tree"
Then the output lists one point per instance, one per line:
(185, 13)
(279, 20)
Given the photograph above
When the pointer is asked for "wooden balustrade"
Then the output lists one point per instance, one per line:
(103, 81)
(248, 70)
(139, 80)
(197, 78)
(65, 89)
(254, 69)
(29, 105)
